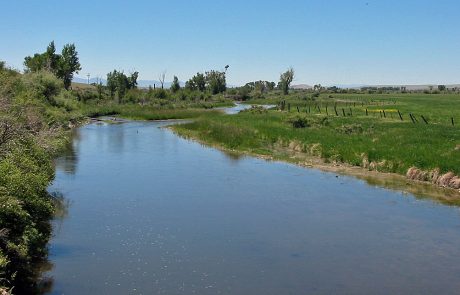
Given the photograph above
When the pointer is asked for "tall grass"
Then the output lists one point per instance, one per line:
(384, 144)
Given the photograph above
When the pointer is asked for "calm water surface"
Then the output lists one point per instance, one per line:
(152, 213)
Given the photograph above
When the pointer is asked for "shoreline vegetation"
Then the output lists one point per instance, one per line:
(421, 152)
(383, 135)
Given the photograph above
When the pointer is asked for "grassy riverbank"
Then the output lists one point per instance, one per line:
(379, 140)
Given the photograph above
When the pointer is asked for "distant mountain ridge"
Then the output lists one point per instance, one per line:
(359, 86)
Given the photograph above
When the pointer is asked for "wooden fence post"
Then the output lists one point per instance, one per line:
(426, 121)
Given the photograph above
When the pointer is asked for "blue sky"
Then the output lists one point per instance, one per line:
(327, 42)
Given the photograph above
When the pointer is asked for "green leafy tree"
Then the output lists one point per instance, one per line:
(215, 81)
(63, 65)
(132, 80)
(175, 86)
(51, 58)
(68, 64)
(122, 85)
(271, 86)
(34, 63)
(286, 79)
(119, 83)
(112, 83)
(197, 82)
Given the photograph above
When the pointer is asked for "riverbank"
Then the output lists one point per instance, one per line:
(323, 145)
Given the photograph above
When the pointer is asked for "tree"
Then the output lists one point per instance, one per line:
(68, 64)
(286, 79)
(132, 80)
(112, 83)
(175, 86)
(51, 58)
(119, 83)
(161, 77)
(317, 87)
(441, 87)
(215, 81)
(35, 63)
(63, 65)
(260, 87)
(197, 82)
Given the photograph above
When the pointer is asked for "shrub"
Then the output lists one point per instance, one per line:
(43, 85)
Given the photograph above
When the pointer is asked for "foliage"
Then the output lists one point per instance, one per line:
(35, 109)
(63, 65)
(286, 79)
(197, 82)
(118, 82)
(215, 81)
(175, 86)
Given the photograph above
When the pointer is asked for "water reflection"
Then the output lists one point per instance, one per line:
(36, 280)
(67, 162)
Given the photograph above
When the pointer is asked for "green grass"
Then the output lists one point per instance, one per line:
(390, 144)
(137, 112)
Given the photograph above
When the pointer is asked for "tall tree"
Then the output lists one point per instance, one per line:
(63, 65)
(68, 64)
(34, 63)
(119, 83)
(112, 83)
(197, 82)
(51, 58)
(175, 86)
(132, 80)
(215, 81)
(161, 77)
(286, 79)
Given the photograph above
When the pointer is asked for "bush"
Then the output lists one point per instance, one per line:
(304, 122)
(43, 85)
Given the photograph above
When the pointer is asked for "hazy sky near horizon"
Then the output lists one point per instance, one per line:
(327, 42)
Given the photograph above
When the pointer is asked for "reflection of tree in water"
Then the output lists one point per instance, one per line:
(61, 205)
(67, 162)
(35, 281)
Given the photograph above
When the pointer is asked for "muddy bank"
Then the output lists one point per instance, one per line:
(447, 180)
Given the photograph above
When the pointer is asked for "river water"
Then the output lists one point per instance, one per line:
(152, 213)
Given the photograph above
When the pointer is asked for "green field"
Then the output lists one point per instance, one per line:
(379, 140)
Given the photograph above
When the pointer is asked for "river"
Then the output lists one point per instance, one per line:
(152, 213)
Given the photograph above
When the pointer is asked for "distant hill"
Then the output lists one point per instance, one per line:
(408, 87)
(301, 86)
(359, 86)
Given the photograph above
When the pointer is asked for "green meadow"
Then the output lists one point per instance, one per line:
(379, 139)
